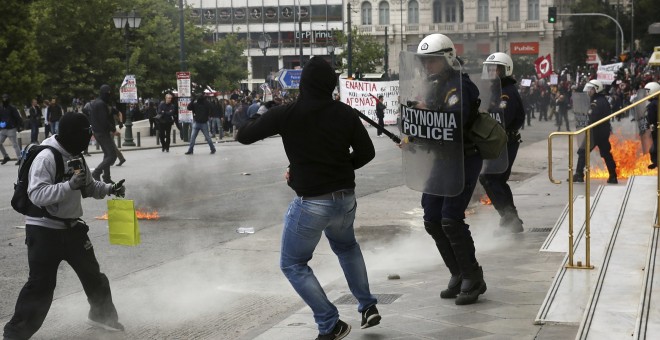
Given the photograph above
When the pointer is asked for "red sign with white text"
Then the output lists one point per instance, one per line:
(525, 48)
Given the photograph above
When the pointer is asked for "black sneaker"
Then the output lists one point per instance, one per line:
(121, 161)
(652, 166)
(108, 325)
(370, 317)
(189, 153)
(5, 160)
(340, 331)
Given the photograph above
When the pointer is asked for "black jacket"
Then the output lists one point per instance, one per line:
(514, 110)
(10, 118)
(201, 109)
(318, 134)
(101, 117)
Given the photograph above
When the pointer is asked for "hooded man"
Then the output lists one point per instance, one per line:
(103, 126)
(10, 123)
(61, 235)
(318, 134)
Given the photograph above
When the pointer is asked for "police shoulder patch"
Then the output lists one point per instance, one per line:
(453, 100)
(503, 104)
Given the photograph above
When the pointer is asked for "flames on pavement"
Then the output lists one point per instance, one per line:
(141, 215)
(629, 157)
(485, 200)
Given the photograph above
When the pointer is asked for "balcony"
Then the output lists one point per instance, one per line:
(365, 29)
(412, 28)
(482, 26)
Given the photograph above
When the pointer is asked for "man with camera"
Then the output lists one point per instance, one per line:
(60, 235)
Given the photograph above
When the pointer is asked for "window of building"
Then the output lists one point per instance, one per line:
(413, 12)
(450, 11)
(532, 9)
(482, 11)
(437, 11)
(366, 13)
(383, 13)
(514, 10)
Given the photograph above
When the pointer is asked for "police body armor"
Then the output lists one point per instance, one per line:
(431, 117)
(490, 93)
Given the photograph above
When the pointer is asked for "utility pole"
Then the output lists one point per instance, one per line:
(350, 43)
(386, 57)
(300, 31)
(497, 33)
(182, 48)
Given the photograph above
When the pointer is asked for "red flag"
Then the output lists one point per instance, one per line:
(543, 66)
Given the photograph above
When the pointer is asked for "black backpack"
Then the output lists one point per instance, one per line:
(20, 200)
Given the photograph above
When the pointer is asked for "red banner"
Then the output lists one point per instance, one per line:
(543, 66)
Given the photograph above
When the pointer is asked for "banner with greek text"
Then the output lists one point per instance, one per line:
(128, 90)
(363, 96)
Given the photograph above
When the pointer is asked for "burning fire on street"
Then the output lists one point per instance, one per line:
(485, 200)
(629, 158)
(141, 215)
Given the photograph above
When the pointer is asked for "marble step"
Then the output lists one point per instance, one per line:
(567, 297)
(614, 302)
(648, 317)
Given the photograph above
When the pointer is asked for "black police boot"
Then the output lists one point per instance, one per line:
(510, 223)
(578, 177)
(444, 247)
(472, 284)
(611, 169)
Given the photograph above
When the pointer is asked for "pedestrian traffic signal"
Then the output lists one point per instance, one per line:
(552, 15)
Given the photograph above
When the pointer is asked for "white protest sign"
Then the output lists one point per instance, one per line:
(363, 96)
(607, 73)
(128, 90)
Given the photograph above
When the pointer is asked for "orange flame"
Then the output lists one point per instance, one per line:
(141, 215)
(485, 200)
(629, 158)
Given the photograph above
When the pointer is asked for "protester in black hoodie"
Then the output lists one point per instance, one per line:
(318, 134)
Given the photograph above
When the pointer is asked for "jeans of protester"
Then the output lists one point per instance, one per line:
(197, 127)
(34, 133)
(165, 134)
(55, 127)
(216, 126)
(46, 249)
(104, 139)
(11, 134)
(304, 223)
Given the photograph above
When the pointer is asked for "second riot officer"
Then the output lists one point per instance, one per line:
(437, 158)
(652, 120)
(513, 113)
(599, 109)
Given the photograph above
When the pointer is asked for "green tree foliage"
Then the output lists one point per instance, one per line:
(368, 53)
(590, 32)
(646, 13)
(81, 49)
(222, 65)
(18, 56)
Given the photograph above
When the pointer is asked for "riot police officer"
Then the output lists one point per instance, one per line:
(652, 120)
(450, 93)
(599, 109)
(511, 106)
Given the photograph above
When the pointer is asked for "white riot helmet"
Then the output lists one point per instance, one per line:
(652, 88)
(438, 45)
(499, 58)
(595, 84)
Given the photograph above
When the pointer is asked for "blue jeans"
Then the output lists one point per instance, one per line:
(216, 126)
(204, 127)
(304, 223)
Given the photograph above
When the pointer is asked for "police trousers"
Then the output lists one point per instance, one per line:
(496, 186)
(46, 249)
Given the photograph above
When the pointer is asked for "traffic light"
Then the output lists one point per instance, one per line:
(552, 15)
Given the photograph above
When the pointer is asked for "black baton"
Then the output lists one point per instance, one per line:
(392, 136)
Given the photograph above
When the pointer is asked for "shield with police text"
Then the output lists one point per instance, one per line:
(581, 106)
(490, 93)
(640, 114)
(431, 116)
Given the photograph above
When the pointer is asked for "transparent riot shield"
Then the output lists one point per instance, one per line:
(581, 104)
(490, 93)
(431, 124)
(639, 112)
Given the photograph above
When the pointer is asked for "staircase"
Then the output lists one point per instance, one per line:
(614, 300)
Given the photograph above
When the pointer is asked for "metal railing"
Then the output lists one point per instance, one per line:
(587, 183)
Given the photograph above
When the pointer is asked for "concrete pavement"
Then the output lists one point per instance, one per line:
(517, 275)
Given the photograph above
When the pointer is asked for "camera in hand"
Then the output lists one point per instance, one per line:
(76, 165)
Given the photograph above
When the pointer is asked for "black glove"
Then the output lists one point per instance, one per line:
(118, 189)
(121, 125)
(77, 181)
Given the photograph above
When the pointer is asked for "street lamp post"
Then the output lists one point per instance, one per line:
(331, 51)
(126, 21)
(264, 44)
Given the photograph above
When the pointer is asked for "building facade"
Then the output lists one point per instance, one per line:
(477, 27)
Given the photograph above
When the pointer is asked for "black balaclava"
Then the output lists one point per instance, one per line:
(105, 93)
(74, 133)
(5, 99)
(317, 80)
